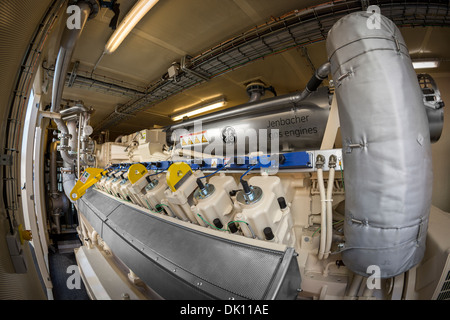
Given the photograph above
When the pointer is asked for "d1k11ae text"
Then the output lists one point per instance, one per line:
(226, 309)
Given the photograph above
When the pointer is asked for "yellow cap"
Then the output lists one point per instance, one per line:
(136, 172)
(176, 174)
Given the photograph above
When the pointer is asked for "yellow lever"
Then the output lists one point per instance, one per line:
(136, 172)
(89, 177)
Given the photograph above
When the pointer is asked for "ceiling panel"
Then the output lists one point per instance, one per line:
(140, 58)
(193, 25)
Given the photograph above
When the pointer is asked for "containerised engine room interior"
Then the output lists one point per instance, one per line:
(224, 150)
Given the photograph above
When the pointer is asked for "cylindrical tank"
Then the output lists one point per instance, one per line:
(280, 123)
(386, 145)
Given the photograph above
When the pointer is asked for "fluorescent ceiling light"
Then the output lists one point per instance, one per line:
(425, 64)
(136, 13)
(205, 108)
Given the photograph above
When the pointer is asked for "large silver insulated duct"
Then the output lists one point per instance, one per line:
(275, 123)
(292, 122)
(386, 146)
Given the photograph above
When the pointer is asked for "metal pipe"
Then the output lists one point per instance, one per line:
(243, 109)
(315, 81)
(69, 181)
(58, 201)
(329, 205)
(80, 121)
(259, 105)
(75, 110)
(354, 286)
(323, 214)
(367, 292)
(53, 177)
(255, 91)
(73, 142)
(68, 41)
(94, 238)
(255, 96)
(70, 158)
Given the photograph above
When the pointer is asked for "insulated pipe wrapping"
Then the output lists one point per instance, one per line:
(386, 146)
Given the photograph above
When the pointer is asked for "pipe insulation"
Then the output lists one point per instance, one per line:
(386, 145)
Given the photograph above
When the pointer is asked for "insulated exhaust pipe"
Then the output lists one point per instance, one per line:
(257, 105)
(294, 121)
(386, 146)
